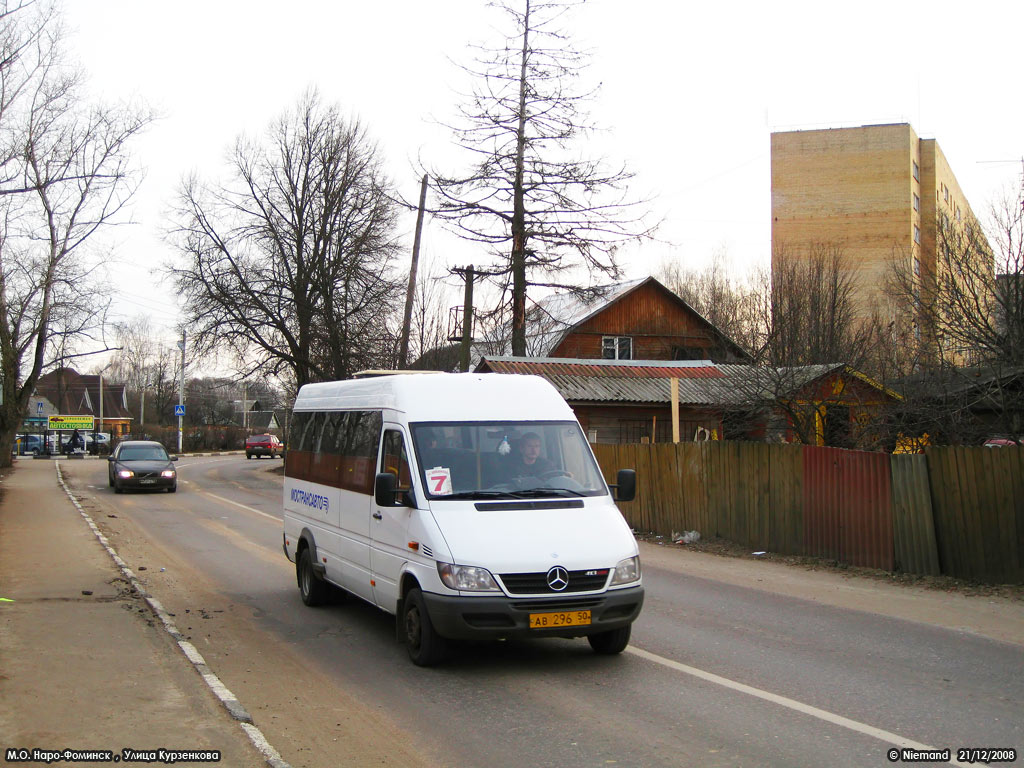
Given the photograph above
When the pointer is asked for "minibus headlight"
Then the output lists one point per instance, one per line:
(468, 578)
(626, 571)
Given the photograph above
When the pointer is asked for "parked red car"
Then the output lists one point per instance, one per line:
(263, 445)
(1001, 442)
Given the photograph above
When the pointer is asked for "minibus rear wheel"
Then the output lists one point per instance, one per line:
(424, 645)
(313, 591)
(611, 642)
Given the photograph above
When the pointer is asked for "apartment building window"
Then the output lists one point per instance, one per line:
(917, 203)
(945, 193)
(917, 171)
(616, 347)
(917, 266)
(917, 234)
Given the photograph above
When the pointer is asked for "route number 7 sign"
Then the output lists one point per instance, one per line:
(439, 481)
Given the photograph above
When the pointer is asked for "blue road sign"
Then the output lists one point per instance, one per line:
(179, 410)
(39, 407)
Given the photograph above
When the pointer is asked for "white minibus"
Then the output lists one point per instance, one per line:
(470, 506)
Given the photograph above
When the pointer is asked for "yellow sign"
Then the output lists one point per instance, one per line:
(71, 422)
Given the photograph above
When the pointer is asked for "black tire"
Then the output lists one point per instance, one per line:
(110, 480)
(173, 488)
(313, 591)
(611, 642)
(248, 456)
(118, 488)
(424, 645)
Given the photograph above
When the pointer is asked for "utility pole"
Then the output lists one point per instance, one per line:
(403, 350)
(142, 404)
(181, 390)
(467, 319)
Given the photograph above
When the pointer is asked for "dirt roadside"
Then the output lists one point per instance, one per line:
(85, 666)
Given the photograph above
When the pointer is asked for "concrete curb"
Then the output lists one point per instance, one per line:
(225, 696)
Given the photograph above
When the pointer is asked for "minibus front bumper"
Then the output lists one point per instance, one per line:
(489, 617)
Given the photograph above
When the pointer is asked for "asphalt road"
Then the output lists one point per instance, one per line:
(717, 674)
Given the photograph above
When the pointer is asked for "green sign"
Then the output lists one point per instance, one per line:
(71, 422)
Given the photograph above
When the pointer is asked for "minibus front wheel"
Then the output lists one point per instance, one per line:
(424, 645)
(611, 642)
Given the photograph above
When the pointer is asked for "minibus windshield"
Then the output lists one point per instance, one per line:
(506, 459)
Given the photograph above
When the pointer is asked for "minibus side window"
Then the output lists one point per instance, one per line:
(358, 449)
(394, 459)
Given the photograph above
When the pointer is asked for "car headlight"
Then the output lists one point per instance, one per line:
(125, 473)
(467, 578)
(167, 473)
(626, 571)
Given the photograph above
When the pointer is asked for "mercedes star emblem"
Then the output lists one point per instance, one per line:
(558, 578)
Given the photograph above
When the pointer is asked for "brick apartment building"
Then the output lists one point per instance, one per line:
(877, 191)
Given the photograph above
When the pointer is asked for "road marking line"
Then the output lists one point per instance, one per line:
(830, 717)
(242, 506)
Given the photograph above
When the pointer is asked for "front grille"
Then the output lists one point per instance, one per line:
(537, 583)
(577, 604)
(144, 475)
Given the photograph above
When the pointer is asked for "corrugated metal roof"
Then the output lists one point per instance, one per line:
(647, 381)
(698, 391)
(649, 369)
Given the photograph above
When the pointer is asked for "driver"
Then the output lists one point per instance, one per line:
(528, 462)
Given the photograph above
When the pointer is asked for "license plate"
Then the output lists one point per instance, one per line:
(147, 481)
(561, 619)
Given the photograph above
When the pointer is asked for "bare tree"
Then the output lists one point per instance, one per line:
(528, 196)
(65, 175)
(809, 380)
(736, 307)
(963, 313)
(287, 263)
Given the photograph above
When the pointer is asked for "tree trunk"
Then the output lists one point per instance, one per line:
(519, 212)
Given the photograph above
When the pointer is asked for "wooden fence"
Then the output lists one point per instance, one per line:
(953, 511)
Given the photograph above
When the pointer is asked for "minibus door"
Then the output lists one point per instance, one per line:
(389, 541)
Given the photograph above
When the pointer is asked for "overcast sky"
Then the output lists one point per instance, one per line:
(690, 95)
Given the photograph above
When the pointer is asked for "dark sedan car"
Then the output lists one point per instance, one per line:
(141, 464)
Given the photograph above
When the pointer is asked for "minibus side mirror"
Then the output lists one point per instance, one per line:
(385, 490)
(625, 485)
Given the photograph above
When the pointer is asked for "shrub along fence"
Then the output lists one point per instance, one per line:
(953, 511)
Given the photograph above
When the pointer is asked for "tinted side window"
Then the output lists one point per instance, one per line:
(394, 458)
(358, 448)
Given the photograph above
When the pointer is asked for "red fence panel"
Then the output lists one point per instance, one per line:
(848, 507)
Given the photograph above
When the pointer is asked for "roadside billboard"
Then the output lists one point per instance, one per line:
(85, 423)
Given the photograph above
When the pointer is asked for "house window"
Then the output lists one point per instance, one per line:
(917, 234)
(917, 266)
(917, 171)
(917, 203)
(617, 348)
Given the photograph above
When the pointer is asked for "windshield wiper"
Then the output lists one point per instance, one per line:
(531, 493)
(478, 495)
